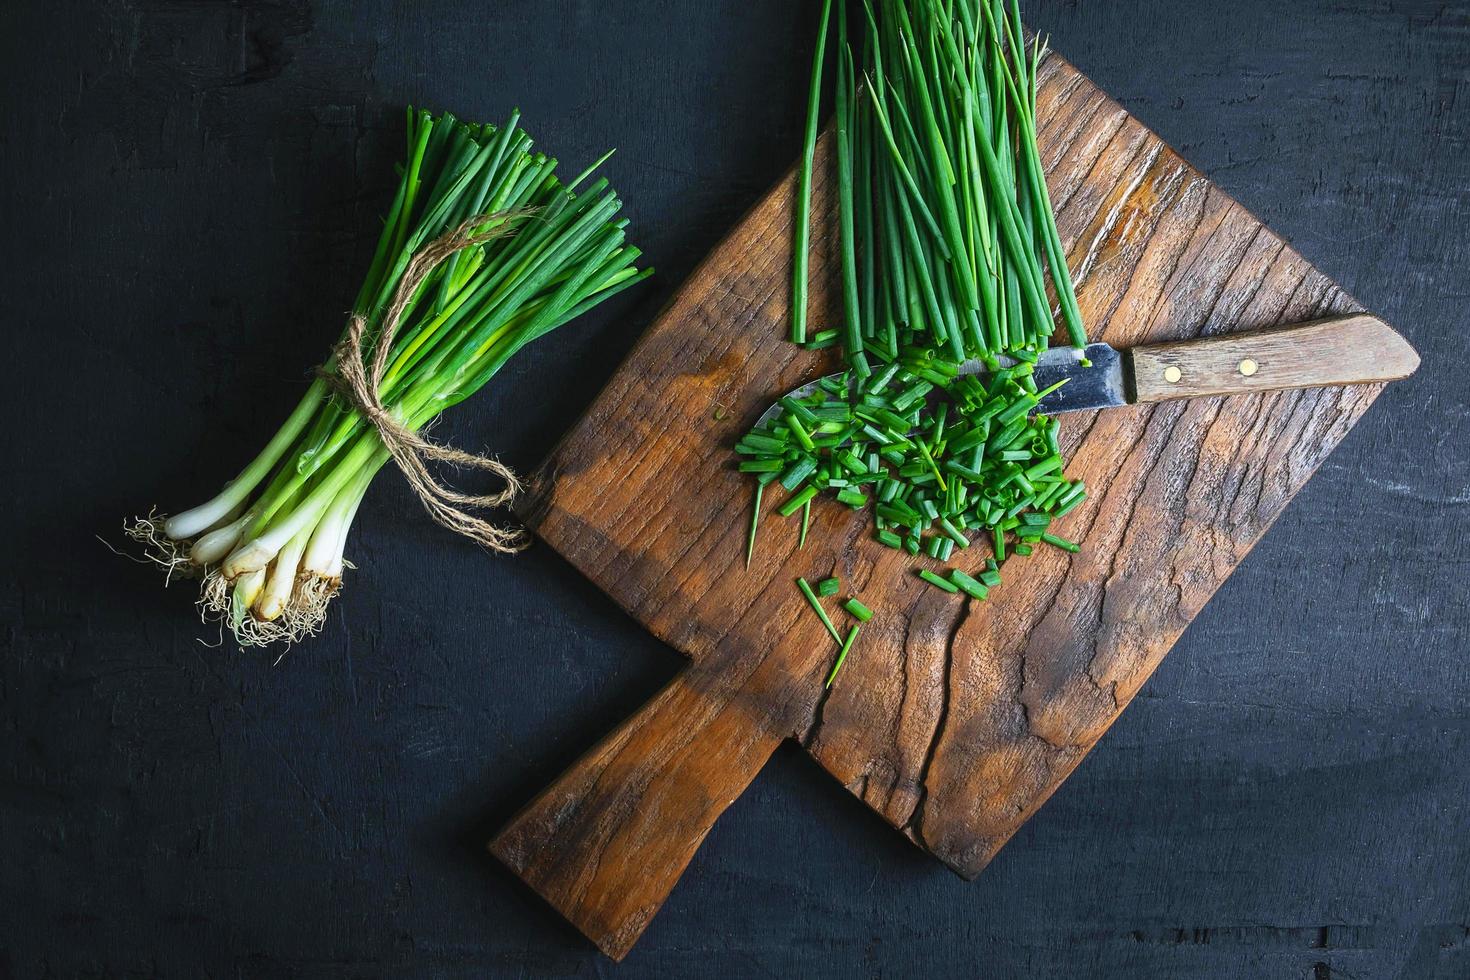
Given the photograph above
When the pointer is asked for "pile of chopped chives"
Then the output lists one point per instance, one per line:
(947, 238)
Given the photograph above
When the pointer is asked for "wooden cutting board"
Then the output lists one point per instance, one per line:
(953, 719)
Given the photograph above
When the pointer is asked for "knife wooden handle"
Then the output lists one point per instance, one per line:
(607, 841)
(1347, 350)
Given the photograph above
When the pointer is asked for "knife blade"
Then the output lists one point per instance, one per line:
(1103, 384)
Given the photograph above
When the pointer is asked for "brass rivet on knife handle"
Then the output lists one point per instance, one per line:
(1356, 349)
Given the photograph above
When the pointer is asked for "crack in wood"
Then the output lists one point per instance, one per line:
(914, 825)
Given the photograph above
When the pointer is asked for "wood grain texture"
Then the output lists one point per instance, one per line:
(1356, 349)
(194, 189)
(629, 815)
(953, 720)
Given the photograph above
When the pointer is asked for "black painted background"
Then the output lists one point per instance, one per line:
(188, 193)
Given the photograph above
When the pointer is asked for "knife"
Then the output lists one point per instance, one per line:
(1345, 350)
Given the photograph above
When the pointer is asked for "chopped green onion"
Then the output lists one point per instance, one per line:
(797, 429)
(968, 585)
(852, 636)
(755, 522)
(937, 581)
(811, 598)
(797, 473)
(797, 502)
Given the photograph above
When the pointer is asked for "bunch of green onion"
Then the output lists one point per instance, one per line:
(947, 237)
(270, 546)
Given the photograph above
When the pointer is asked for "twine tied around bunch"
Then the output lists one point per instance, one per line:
(361, 385)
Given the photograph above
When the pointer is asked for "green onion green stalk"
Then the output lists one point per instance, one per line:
(947, 239)
(270, 546)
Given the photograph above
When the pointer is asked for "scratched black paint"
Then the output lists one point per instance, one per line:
(189, 196)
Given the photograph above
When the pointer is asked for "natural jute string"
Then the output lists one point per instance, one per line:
(361, 385)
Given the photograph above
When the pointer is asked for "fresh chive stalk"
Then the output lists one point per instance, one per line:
(270, 546)
(801, 257)
(946, 240)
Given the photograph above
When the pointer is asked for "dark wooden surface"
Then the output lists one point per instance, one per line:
(190, 189)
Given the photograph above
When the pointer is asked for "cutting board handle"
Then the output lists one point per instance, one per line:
(606, 842)
(1346, 350)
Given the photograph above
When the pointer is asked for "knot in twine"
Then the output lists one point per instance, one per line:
(361, 385)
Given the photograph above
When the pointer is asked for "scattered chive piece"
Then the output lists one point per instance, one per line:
(1024, 550)
(953, 533)
(852, 636)
(806, 522)
(823, 339)
(859, 611)
(797, 473)
(795, 503)
(811, 598)
(1062, 543)
(968, 585)
(937, 581)
(755, 522)
(829, 586)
